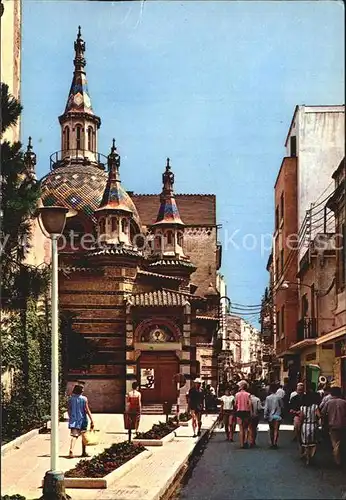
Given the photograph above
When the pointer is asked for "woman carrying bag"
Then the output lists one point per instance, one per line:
(78, 413)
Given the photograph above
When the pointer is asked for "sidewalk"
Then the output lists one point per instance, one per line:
(23, 469)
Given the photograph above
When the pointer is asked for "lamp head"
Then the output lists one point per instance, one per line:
(285, 284)
(53, 219)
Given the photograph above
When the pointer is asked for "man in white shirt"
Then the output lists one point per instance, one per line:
(228, 413)
(256, 409)
(280, 392)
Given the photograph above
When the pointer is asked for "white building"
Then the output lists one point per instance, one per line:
(251, 351)
(317, 138)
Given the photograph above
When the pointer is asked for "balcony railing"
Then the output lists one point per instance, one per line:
(82, 156)
(306, 329)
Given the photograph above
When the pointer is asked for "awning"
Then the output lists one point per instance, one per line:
(333, 335)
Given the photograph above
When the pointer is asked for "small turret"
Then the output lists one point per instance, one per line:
(116, 209)
(168, 228)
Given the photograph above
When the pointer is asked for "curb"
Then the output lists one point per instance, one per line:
(166, 491)
(17, 442)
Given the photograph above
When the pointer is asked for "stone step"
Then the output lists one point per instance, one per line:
(156, 409)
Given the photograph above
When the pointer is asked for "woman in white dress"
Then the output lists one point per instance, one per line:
(309, 417)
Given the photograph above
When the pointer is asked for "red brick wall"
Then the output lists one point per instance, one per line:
(194, 209)
(286, 184)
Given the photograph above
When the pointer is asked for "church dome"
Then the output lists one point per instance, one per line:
(80, 188)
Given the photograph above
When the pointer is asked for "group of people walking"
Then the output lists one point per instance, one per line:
(316, 415)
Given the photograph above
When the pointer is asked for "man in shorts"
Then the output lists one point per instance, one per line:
(196, 404)
(244, 412)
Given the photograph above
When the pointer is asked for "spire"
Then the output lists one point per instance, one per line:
(79, 99)
(168, 213)
(30, 160)
(115, 197)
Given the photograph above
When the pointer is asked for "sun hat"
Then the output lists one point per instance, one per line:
(197, 381)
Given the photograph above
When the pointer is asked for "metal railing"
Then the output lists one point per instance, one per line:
(306, 329)
(64, 158)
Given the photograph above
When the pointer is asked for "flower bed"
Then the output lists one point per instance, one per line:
(159, 431)
(103, 464)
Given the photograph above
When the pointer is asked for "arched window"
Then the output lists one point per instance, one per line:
(102, 226)
(169, 238)
(79, 142)
(66, 138)
(180, 238)
(114, 223)
(90, 139)
(124, 226)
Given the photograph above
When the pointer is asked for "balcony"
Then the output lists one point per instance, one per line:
(77, 156)
(306, 329)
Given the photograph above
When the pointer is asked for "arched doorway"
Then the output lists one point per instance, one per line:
(156, 371)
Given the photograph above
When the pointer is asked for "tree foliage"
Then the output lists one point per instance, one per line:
(20, 193)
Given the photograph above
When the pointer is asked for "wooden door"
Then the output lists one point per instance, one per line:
(161, 367)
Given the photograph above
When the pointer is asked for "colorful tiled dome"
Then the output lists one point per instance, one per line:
(80, 188)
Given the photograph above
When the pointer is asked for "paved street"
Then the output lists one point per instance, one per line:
(226, 472)
(148, 480)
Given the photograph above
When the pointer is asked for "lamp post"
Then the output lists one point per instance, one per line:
(53, 220)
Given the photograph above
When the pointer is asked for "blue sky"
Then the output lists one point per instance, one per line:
(212, 85)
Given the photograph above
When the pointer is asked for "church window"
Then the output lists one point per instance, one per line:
(180, 238)
(102, 226)
(79, 141)
(90, 139)
(114, 223)
(169, 238)
(66, 138)
(124, 226)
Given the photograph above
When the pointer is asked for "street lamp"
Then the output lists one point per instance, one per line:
(53, 220)
(286, 284)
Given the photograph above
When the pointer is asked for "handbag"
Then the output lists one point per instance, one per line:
(90, 438)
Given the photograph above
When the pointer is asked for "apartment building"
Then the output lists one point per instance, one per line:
(314, 146)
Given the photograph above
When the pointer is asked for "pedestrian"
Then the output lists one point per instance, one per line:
(272, 413)
(280, 392)
(255, 414)
(335, 411)
(196, 405)
(325, 428)
(228, 413)
(296, 402)
(309, 421)
(134, 406)
(78, 413)
(244, 412)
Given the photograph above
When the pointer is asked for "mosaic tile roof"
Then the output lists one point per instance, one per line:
(78, 187)
(115, 197)
(168, 212)
(81, 188)
(160, 298)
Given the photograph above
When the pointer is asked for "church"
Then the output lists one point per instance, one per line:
(137, 272)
